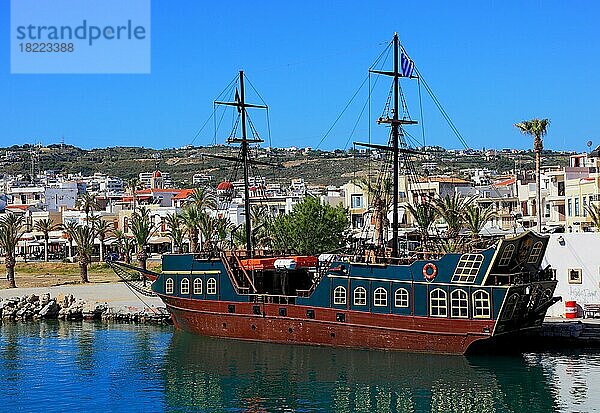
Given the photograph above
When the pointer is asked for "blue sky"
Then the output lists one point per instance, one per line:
(490, 63)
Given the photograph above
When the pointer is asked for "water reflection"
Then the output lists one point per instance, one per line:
(211, 375)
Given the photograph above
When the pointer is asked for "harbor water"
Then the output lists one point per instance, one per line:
(68, 366)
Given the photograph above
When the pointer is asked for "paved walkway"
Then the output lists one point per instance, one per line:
(117, 294)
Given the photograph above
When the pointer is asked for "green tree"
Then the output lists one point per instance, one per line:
(175, 232)
(538, 129)
(452, 210)
(204, 199)
(132, 186)
(45, 226)
(260, 221)
(69, 227)
(11, 230)
(191, 216)
(310, 229)
(84, 236)
(142, 229)
(424, 215)
(88, 203)
(103, 229)
(593, 211)
(125, 244)
(476, 218)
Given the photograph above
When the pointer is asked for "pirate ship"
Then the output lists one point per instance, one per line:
(424, 302)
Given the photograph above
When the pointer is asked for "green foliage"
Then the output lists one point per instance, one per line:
(310, 229)
(476, 218)
(452, 210)
(425, 215)
(11, 229)
(84, 236)
(536, 128)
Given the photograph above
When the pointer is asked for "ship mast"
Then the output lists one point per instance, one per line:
(398, 144)
(244, 141)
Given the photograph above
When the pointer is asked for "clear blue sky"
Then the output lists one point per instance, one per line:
(491, 64)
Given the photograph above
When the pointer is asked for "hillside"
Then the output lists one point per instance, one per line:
(316, 167)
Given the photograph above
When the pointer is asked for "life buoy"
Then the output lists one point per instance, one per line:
(429, 271)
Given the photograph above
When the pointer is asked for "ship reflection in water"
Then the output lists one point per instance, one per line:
(131, 368)
(216, 375)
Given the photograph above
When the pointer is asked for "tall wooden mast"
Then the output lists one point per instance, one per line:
(244, 141)
(398, 145)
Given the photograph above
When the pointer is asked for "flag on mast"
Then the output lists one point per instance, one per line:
(407, 65)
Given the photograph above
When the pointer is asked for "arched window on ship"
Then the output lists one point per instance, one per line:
(339, 295)
(360, 296)
(438, 306)
(169, 286)
(459, 303)
(481, 304)
(401, 298)
(185, 286)
(211, 286)
(380, 297)
(197, 286)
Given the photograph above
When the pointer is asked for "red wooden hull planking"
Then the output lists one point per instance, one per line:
(358, 330)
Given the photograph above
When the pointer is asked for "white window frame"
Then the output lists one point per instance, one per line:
(380, 297)
(184, 286)
(536, 250)
(360, 296)
(197, 286)
(360, 198)
(401, 298)
(211, 286)
(467, 268)
(438, 302)
(481, 304)
(459, 302)
(507, 254)
(339, 295)
(169, 286)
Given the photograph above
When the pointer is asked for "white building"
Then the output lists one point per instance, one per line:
(575, 258)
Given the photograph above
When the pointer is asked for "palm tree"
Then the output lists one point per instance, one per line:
(11, 230)
(476, 218)
(69, 227)
(142, 229)
(191, 218)
(452, 210)
(103, 228)
(126, 245)
(84, 236)
(204, 199)
(538, 129)
(425, 215)
(88, 203)
(175, 232)
(223, 228)
(133, 185)
(594, 213)
(45, 226)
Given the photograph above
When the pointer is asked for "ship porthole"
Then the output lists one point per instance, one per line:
(253, 327)
(224, 325)
(290, 330)
(332, 335)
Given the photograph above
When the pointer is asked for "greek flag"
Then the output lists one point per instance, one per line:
(407, 65)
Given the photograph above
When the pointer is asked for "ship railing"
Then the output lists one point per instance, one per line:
(519, 278)
(273, 298)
